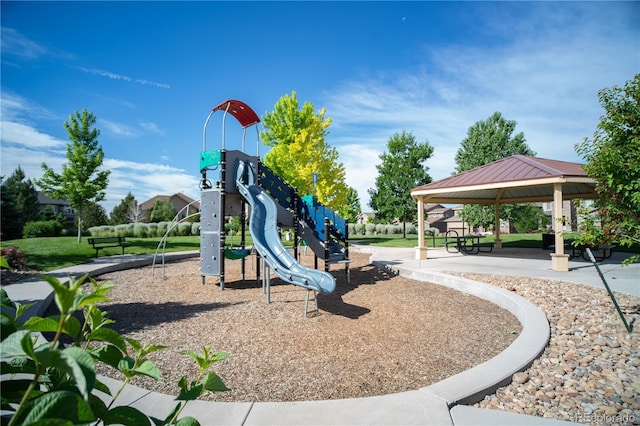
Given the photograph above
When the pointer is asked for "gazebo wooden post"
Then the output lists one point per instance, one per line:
(498, 242)
(559, 260)
(421, 250)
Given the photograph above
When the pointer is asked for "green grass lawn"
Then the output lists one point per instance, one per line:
(46, 254)
(508, 240)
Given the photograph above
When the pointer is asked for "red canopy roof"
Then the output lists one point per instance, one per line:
(241, 111)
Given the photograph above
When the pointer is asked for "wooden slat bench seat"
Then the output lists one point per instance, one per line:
(99, 243)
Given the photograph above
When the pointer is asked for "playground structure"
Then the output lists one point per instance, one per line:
(243, 187)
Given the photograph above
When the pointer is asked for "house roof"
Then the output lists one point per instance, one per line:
(151, 202)
(44, 199)
(515, 179)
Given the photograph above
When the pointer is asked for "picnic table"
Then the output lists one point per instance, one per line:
(467, 244)
(600, 252)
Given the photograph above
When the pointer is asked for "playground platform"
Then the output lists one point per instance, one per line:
(442, 403)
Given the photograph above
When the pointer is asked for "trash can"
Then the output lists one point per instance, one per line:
(548, 240)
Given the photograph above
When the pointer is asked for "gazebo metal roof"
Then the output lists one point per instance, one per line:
(515, 179)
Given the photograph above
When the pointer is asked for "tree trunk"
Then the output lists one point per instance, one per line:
(79, 227)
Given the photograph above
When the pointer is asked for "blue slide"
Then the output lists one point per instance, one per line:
(264, 231)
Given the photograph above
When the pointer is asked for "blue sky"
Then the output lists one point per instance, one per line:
(151, 71)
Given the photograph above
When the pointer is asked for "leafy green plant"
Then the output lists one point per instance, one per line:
(51, 382)
(42, 228)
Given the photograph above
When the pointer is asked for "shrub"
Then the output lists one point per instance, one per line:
(394, 229)
(411, 229)
(140, 230)
(195, 228)
(381, 229)
(53, 375)
(370, 228)
(14, 257)
(184, 228)
(359, 229)
(152, 230)
(130, 230)
(432, 232)
(352, 228)
(101, 231)
(162, 228)
(42, 228)
(120, 230)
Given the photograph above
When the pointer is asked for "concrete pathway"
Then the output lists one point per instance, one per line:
(442, 403)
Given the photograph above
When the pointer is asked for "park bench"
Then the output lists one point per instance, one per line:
(99, 243)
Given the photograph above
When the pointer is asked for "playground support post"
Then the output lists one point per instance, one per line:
(296, 207)
(242, 237)
(326, 244)
(223, 175)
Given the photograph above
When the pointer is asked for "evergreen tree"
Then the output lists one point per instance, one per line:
(120, 213)
(10, 223)
(403, 168)
(25, 199)
(94, 215)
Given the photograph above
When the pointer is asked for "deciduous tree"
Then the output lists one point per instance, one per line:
(488, 141)
(163, 211)
(403, 168)
(296, 136)
(613, 160)
(351, 209)
(81, 181)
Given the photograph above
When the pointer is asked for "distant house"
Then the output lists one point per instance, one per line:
(436, 216)
(179, 201)
(569, 214)
(368, 217)
(57, 206)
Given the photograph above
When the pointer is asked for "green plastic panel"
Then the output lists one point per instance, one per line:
(209, 159)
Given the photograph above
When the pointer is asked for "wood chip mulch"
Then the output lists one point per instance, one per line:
(379, 334)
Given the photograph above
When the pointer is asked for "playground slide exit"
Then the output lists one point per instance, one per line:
(263, 228)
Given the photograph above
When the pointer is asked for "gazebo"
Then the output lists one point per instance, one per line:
(515, 179)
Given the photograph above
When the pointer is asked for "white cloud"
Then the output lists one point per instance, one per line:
(546, 79)
(360, 166)
(29, 159)
(114, 76)
(146, 180)
(151, 127)
(117, 128)
(20, 134)
(14, 43)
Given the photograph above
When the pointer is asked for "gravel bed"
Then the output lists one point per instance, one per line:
(590, 371)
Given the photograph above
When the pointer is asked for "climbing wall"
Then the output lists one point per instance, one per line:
(211, 226)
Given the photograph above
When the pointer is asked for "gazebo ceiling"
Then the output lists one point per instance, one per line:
(515, 179)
